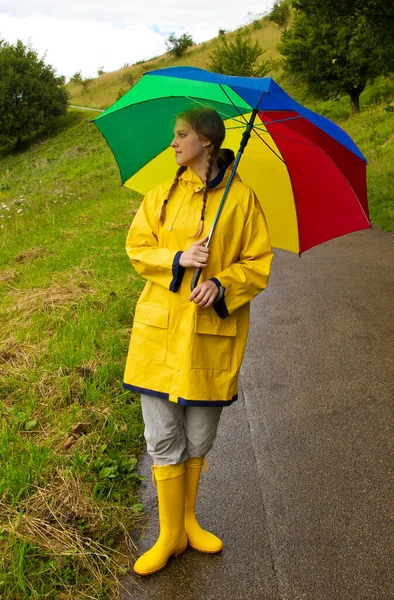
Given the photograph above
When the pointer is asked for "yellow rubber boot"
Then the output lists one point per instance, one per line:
(199, 539)
(170, 481)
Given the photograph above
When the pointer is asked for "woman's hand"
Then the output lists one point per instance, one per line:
(205, 294)
(195, 256)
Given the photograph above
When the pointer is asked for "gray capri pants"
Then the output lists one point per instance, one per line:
(175, 433)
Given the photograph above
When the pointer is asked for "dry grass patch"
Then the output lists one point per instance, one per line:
(17, 357)
(7, 275)
(31, 254)
(64, 521)
(29, 301)
(117, 226)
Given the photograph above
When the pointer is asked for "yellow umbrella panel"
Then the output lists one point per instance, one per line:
(261, 167)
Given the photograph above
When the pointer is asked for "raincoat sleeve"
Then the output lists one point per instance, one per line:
(157, 264)
(244, 279)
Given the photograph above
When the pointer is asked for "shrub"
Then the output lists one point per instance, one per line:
(31, 95)
(178, 46)
(241, 57)
(128, 77)
(281, 12)
(76, 78)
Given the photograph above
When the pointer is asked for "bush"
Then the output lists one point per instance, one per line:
(381, 90)
(178, 46)
(281, 12)
(31, 94)
(76, 78)
(128, 77)
(85, 83)
(240, 57)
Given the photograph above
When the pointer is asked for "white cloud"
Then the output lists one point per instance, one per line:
(173, 13)
(72, 46)
(85, 35)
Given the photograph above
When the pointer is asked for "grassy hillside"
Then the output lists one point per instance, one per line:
(69, 436)
(103, 91)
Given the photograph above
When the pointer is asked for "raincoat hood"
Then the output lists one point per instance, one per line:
(225, 162)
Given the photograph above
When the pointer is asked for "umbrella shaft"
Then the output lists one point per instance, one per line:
(244, 141)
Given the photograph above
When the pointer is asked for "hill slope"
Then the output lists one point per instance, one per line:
(69, 437)
(103, 91)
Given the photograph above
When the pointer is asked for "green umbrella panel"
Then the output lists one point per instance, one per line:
(139, 126)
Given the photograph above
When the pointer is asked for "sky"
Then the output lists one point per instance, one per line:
(85, 35)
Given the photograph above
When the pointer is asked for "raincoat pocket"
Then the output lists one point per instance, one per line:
(213, 342)
(150, 331)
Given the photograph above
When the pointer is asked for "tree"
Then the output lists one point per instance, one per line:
(31, 94)
(240, 57)
(77, 78)
(379, 13)
(331, 58)
(84, 82)
(376, 22)
(281, 12)
(178, 46)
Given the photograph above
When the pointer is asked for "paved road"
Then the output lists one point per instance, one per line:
(87, 108)
(300, 485)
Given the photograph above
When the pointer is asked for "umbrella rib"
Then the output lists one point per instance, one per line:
(268, 146)
(222, 111)
(266, 130)
(253, 128)
(242, 123)
(257, 128)
(287, 119)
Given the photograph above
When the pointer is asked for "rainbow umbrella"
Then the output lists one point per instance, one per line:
(308, 174)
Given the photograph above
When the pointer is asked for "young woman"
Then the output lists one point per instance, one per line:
(187, 346)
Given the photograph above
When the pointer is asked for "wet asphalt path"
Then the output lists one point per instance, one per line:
(300, 486)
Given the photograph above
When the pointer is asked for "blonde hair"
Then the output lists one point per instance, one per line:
(208, 124)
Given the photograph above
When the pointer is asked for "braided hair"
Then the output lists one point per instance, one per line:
(162, 212)
(208, 124)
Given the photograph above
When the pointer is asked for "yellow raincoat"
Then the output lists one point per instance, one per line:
(179, 351)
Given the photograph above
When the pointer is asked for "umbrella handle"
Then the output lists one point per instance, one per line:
(196, 277)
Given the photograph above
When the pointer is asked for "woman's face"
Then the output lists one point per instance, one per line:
(189, 148)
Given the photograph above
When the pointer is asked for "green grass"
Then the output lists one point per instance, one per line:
(67, 296)
(373, 130)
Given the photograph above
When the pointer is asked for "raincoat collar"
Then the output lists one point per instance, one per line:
(225, 164)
